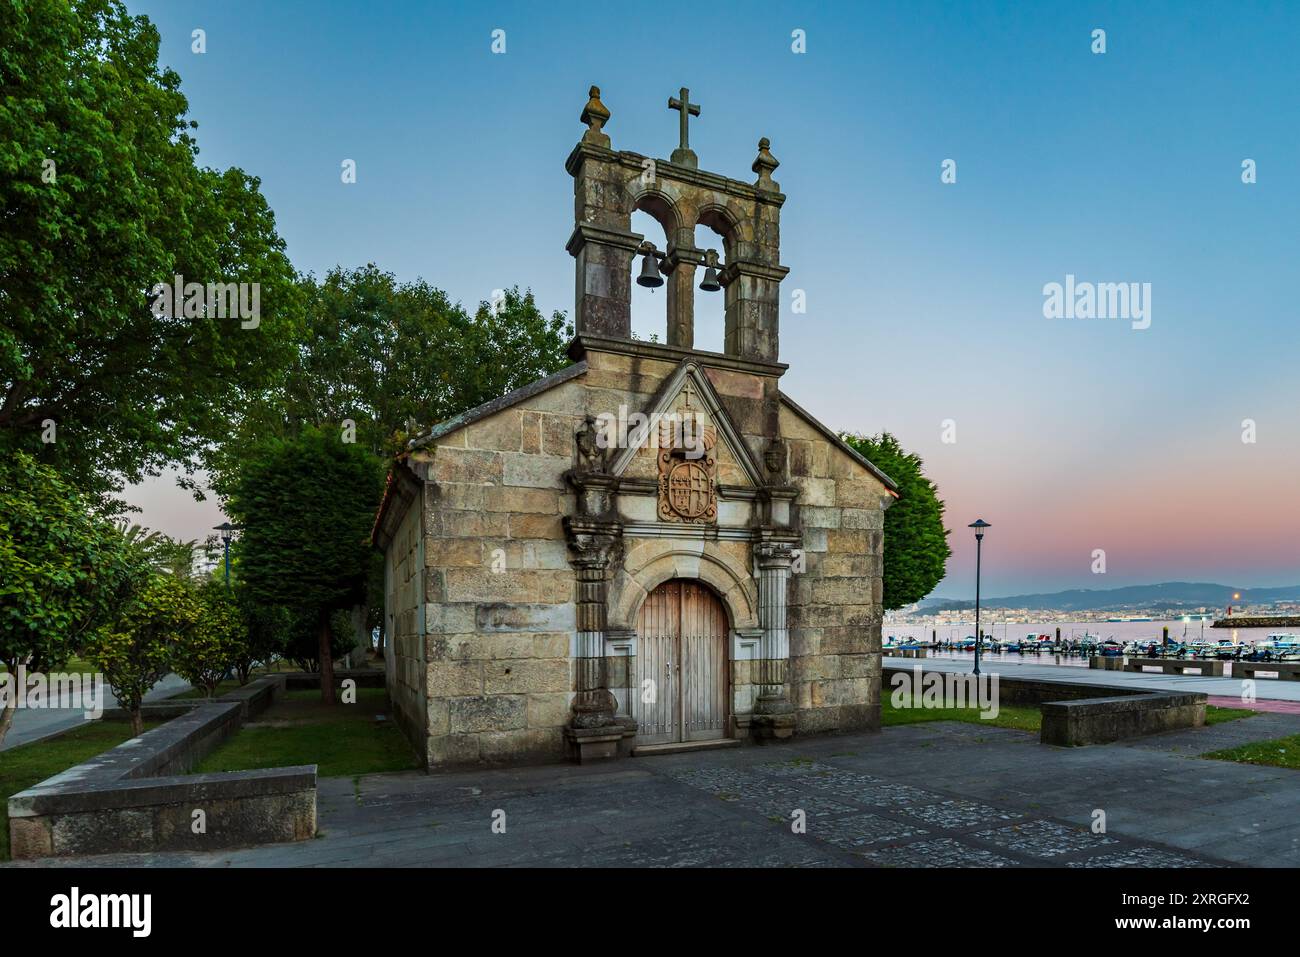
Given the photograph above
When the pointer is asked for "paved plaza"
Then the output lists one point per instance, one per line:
(945, 794)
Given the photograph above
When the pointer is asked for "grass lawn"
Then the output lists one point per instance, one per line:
(1217, 715)
(1019, 717)
(1278, 753)
(29, 764)
(343, 740)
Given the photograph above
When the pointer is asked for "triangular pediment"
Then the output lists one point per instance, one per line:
(687, 404)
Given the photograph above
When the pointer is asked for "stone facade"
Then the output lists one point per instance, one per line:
(523, 538)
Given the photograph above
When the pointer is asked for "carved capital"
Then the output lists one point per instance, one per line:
(774, 554)
(596, 495)
(593, 543)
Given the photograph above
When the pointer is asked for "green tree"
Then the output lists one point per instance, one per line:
(64, 572)
(307, 505)
(916, 543)
(138, 650)
(101, 199)
(266, 630)
(216, 642)
(302, 641)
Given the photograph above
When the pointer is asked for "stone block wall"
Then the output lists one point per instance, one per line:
(834, 603)
(498, 589)
(404, 648)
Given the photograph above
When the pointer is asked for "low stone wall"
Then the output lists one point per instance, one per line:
(1103, 720)
(138, 796)
(1079, 714)
(1259, 621)
(1206, 667)
(1284, 670)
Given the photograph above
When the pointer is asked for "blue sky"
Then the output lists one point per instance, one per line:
(924, 299)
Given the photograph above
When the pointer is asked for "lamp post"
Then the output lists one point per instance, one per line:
(227, 533)
(979, 525)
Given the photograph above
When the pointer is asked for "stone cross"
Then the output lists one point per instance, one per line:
(687, 110)
(684, 155)
(687, 392)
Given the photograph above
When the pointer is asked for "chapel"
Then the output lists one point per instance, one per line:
(655, 548)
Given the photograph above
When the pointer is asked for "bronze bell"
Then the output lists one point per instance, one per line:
(710, 281)
(649, 270)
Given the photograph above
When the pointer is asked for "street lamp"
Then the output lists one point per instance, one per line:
(979, 525)
(227, 533)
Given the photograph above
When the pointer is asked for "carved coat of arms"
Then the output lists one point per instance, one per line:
(688, 486)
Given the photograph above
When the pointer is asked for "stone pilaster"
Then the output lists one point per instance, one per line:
(774, 714)
(603, 263)
(592, 544)
(752, 291)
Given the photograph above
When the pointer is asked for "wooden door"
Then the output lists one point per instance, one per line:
(681, 690)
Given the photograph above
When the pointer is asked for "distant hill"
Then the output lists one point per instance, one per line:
(1130, 597)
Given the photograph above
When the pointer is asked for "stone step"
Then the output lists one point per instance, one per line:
(680, 747)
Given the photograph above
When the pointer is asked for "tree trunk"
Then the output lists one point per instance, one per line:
(137, 722)
(326, 661)
(7, 718)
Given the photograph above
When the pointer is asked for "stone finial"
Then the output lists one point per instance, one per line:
(764, 165)
(595, 115)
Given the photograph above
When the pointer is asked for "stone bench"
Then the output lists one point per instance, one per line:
(1286, 670)
(1103, 720)
(905, 652)
(1177, 666)
(138, 796)
(1106, 663)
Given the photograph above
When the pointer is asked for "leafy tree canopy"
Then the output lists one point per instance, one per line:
(64, 572)
(217, 641)
(140, 648)
(306, 504)
(916, 543)
(101, 199)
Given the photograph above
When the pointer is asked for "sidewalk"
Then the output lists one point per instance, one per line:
(1266, 689)
(33, 724)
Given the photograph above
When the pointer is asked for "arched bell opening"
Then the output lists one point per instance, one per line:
(649, 302)
(710, 301)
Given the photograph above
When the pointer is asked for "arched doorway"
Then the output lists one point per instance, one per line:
(681, 688)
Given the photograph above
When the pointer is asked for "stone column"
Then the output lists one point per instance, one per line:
(682, 260)
(774, 561)
(594, 731)
(593, 705)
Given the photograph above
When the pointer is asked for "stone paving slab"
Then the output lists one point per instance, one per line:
(944, 794)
